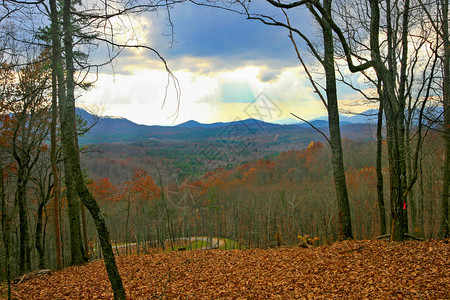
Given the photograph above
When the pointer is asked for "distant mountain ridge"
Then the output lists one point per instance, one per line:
(361, 118)
(368, 116)
(246, 122)
(356, 119)
(115, 129)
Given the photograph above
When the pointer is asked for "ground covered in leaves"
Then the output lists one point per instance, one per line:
(349, 269)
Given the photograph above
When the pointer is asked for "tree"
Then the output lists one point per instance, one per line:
(7, 216)
(327, 61)
(86, 25)
(391, 65)
(444, 34)
(380, 182)
(68, 131)
(42, 180)
(333, 119)
(76, 245)
(140, 189)
(31, 128)
(8, 211)
(440, 23)
(56, 88)
(66, 99)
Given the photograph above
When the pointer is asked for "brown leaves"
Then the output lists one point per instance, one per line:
(350, 269)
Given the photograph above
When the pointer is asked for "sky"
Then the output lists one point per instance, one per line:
(225, 66)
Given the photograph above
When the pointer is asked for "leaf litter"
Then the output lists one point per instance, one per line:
(371, 269)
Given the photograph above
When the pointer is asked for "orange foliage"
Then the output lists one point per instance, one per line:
(141, 187)
(7, 125)
(262, 172)
(314, 147)
(102, 189)
(365, 176)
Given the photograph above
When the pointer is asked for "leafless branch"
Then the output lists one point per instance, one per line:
(310, 124)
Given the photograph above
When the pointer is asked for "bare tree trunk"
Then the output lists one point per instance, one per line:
(420, 215)
(127, 246)
(410, 199)
(380, 184)
(7, 240)
(38, 236)
(68, 133)
(6, 231)
(24, 246)
(394, 112)
(56, 189)
(76, 245)
(345, 225)
(81, 208)
(85, 238)
(57, 89)
(397, 176)
(444, 226)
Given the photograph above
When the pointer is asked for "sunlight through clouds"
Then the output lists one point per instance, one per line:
(222, 62)
(213, 97)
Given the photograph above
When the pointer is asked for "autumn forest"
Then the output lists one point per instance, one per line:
(246, 208)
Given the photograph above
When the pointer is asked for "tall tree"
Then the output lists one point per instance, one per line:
(333, 123)
(7, 216)
(391, 70)
(30, 131)
(444, 230)
(56, 87)
(438, 15)
(67, 107)
(76, 244)
(327, 61)
(380, 182)
(6, 167)
(42, 180)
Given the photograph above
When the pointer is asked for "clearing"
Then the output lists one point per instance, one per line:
(348, 269)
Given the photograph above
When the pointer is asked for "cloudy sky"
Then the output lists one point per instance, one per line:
(222, 61)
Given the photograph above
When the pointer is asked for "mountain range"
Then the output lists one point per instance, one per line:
(119, 146)
(113, 129)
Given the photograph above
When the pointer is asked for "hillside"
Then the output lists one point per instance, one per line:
(349, 269)
(118, 146)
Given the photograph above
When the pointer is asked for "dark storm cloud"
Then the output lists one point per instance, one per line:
(229, 39)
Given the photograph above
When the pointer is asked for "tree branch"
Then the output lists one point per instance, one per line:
(310, 124)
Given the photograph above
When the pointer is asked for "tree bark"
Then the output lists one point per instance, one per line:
(76, 245)
(444, 226)
(6, 231)
(84, 227)
(38, 235)
(345, 225)
(24, 247)
(380, 184)
(81, 208)
(56, 50)
(394, 112)
(399, 224)
(68, 142)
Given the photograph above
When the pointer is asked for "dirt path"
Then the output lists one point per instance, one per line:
(214, 243)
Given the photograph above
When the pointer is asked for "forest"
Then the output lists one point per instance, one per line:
(288, 194)
(73, 193)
